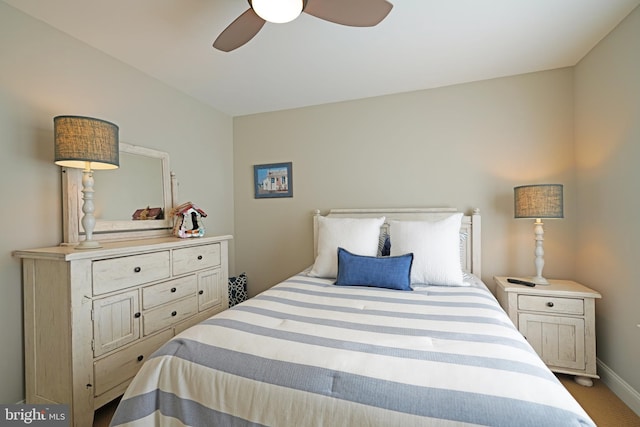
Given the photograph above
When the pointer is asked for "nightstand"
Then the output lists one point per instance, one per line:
(558, 320)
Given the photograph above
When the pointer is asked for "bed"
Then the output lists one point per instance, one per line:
(374, 345)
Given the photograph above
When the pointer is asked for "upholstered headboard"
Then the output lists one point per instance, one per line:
(470, 248)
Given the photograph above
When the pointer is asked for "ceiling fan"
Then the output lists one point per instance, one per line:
(353, 13)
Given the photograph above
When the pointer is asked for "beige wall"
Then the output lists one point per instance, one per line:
(607, 127)
(462, 146)
(44, 73)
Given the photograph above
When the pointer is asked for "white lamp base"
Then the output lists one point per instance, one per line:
(539, 253)
(539, 280)
(88, 220)
(88, 244)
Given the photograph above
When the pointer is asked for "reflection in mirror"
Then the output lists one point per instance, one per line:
(142, 180)
(136, 185)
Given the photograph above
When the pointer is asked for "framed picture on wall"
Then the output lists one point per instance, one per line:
(273, 180)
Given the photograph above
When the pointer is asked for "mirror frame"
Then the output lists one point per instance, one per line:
(116, 230)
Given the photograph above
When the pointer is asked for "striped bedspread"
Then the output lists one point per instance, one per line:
(308, 353)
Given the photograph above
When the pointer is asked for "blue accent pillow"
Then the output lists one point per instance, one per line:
(392, 272)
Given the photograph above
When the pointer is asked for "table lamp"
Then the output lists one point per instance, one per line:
(538, 201)
(88, 144)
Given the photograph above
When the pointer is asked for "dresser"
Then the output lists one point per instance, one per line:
(558, 320)
(92, 317)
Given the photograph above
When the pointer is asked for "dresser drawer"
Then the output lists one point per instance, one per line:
(195, 258)
(551, 304)
(168, 314)
(120, 273)
(162, 293)
(120, 367)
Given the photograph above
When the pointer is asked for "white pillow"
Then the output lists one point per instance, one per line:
(358, 236)
(435, 246)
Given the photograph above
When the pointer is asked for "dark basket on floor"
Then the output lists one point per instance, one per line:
(237, 289)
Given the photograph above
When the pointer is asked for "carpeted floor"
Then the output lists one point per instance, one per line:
(602, 405)
(102, 417)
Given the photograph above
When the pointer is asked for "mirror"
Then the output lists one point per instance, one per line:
(142, 180)
(136, 171)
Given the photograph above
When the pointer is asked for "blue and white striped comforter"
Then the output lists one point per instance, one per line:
(308, 353)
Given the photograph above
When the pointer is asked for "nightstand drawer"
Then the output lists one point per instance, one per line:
(545, 304)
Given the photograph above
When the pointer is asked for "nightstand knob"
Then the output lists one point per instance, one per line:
(173, 290)
(550, 304)
(140, 358)
(173, 313)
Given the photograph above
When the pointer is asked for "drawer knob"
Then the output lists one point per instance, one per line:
(199, 257)
(140, 358)
(173, 313)
(137, 269)
(200, 292)
(137, 315)
(173, 289)
(550, 304)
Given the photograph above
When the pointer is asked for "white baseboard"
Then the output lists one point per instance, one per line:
(617, 385)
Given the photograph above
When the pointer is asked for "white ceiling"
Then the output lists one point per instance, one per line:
(421, 44)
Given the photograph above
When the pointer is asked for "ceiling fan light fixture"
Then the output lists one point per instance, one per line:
(277, 11)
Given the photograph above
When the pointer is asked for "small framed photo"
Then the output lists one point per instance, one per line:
(273, 180)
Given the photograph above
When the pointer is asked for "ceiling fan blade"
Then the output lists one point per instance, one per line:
(239, 32)
(354, 13)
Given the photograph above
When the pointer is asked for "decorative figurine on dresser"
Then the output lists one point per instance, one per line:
(558, 320)
(188, 221)
(93, 316)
